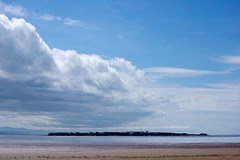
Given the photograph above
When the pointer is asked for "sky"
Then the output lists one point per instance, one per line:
(120, 65)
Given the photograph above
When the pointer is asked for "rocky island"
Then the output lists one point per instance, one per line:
(129, 133)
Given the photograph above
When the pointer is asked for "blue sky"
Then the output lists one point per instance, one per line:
(148, 33)
(163, 65)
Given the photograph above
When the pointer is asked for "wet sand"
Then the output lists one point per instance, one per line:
(120, 152)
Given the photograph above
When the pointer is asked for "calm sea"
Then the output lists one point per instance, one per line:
(114, 140)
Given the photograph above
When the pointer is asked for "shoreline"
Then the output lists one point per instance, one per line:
(127, 145)
(230, 151)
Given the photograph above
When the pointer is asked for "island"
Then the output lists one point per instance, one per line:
(128, 133)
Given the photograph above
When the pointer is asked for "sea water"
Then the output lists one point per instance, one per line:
(115, 140)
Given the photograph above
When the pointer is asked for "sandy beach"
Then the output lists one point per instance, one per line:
(119, 152)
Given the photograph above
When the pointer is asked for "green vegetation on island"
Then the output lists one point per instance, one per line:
(129, 133)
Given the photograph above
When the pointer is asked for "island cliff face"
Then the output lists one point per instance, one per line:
(130, 133)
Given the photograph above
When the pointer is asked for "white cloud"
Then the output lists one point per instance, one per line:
(224, 97)
(87, 88)
(65, 21)
(64, 89)
(176, 127)
(16, 10)
(12, 9)
(16, 120)
(230, 59)
(72, 22)
(31, 52)
(179, 72)
(50, 17)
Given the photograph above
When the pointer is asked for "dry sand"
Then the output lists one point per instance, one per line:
(121, 152)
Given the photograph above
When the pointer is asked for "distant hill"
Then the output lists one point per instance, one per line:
(21, 131)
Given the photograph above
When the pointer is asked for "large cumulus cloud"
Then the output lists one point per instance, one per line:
(65, 88)
(54, 89)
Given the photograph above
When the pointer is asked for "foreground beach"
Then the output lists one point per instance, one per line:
(120, 152)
